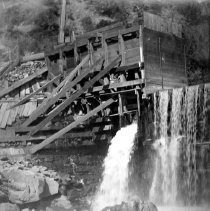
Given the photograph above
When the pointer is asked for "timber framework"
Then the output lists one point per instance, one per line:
(93, 84)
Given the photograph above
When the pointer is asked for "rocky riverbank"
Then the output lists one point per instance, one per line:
(27, 185)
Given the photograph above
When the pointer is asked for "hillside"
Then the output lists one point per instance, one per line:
(30, 26)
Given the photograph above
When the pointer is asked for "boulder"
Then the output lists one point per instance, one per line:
(25, 186)
(9, 207)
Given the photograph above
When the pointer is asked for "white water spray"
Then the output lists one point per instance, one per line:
(164, 186)
(114, 186)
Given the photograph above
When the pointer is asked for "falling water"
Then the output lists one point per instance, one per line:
(191, 131)
(165, 178)
(176, 177)
(114, 186)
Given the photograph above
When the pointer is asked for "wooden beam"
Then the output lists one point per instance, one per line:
(116, 85)
(52, 98)
(38, 56)
(20, 138)
(24, 100)
(22, 82)
(70, 127)
(74, 96)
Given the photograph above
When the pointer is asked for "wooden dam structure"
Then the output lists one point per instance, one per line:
(93, 84)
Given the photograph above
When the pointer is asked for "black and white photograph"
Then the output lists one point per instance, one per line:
(104, 105)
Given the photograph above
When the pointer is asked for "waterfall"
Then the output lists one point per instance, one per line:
(114, 186)
(176, 118)
(165, 178)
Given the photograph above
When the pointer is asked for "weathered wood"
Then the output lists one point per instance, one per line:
(2, 111)
(21, 82)
(74, 96)
(54, 96)
(62, 22)
(71, 74)
(33, 57)
(105, 48)
(121, 48)
(69, 127)
(116, 85)
(120, 110)
(5, 118)
(20, 138)
(37, 91)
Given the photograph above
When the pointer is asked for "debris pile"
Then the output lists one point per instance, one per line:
(24, 70)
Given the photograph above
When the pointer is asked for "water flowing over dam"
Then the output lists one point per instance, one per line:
(114, 185)
(178, 129)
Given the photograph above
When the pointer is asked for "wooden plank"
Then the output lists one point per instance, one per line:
(38, 56)
(70, 127)
(21, 138)
(2, 111)
(5, 118)
(27, 89)
(67, 85)
(10, 118)
(21, 82)
(74, 96)
(26, 109)
(33, 107)
(36, 92)
(22, 107)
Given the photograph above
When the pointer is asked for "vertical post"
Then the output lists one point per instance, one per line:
(121, 48)
(61, 37)
(138, 96)
(141, 52)
(90, 51)
(160, 58)
(62, 22)
(120, 110)
(105, 47)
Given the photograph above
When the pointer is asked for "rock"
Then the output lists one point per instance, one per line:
(9, 207)
(25, 186)
(62, 204)
(52, 185)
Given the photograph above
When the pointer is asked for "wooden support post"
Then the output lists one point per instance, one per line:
(120, 110)
(121, 48)
(105, 47)
(141, 52)
(61, 37)
(74, 96)
(138, 96)
(70, 127)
